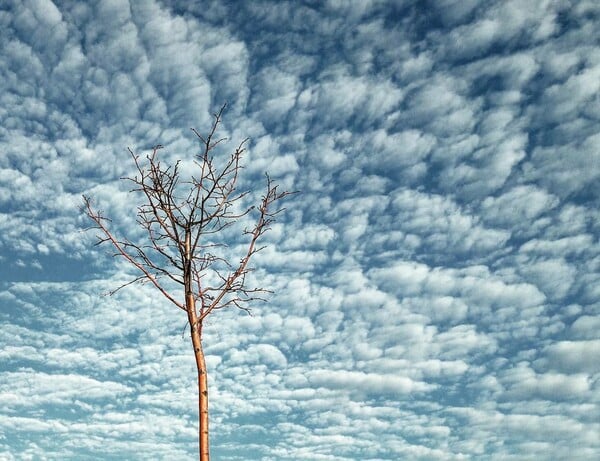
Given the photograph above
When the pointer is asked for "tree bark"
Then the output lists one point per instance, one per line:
(196, 333)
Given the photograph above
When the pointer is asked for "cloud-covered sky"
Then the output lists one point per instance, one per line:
(436, 283)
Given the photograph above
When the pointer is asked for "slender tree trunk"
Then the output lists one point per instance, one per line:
(196, 333)
(202, 390)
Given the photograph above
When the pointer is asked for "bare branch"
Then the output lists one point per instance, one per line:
(120, 247)
(235, 282)
(180, 219)
(205, 210)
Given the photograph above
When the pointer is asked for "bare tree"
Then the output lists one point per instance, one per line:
(180, 217)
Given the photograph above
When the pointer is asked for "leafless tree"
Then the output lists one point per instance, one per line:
(180, 217)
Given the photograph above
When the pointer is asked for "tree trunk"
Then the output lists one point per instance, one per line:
(196, 333)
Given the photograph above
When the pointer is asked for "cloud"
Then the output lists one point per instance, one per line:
(518, 206)
(574, 356)
(523, 383)
(500, 25)
(260, 353)
(55, 389)
(576, 157)
(554, 277)
(476, 284)
(529, 432)
(443, 225)
(585, 327)
(363, 382)
(280, 91)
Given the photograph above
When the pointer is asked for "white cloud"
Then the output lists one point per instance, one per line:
(279, 93)
(554, 277)
(522, 382)
(368, 383)
(574, 356)
(456, 11)
(586, 326)
(518, 206)
(443, 225)
(55, 389)
(341, 97)
(559, 247)
(258, 353)
(476, 284)
(487, 427)
(495, 164)
(440, 105)
(501, 23)
(567, 168)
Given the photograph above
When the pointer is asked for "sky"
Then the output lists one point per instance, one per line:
(436, 282)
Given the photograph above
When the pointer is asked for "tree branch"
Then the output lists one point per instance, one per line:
(119, 246)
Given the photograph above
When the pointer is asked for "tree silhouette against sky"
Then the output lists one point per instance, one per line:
(180, 217)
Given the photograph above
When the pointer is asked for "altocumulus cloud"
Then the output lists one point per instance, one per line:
(436, 284)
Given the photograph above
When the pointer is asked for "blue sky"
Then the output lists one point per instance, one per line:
(436, 283)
